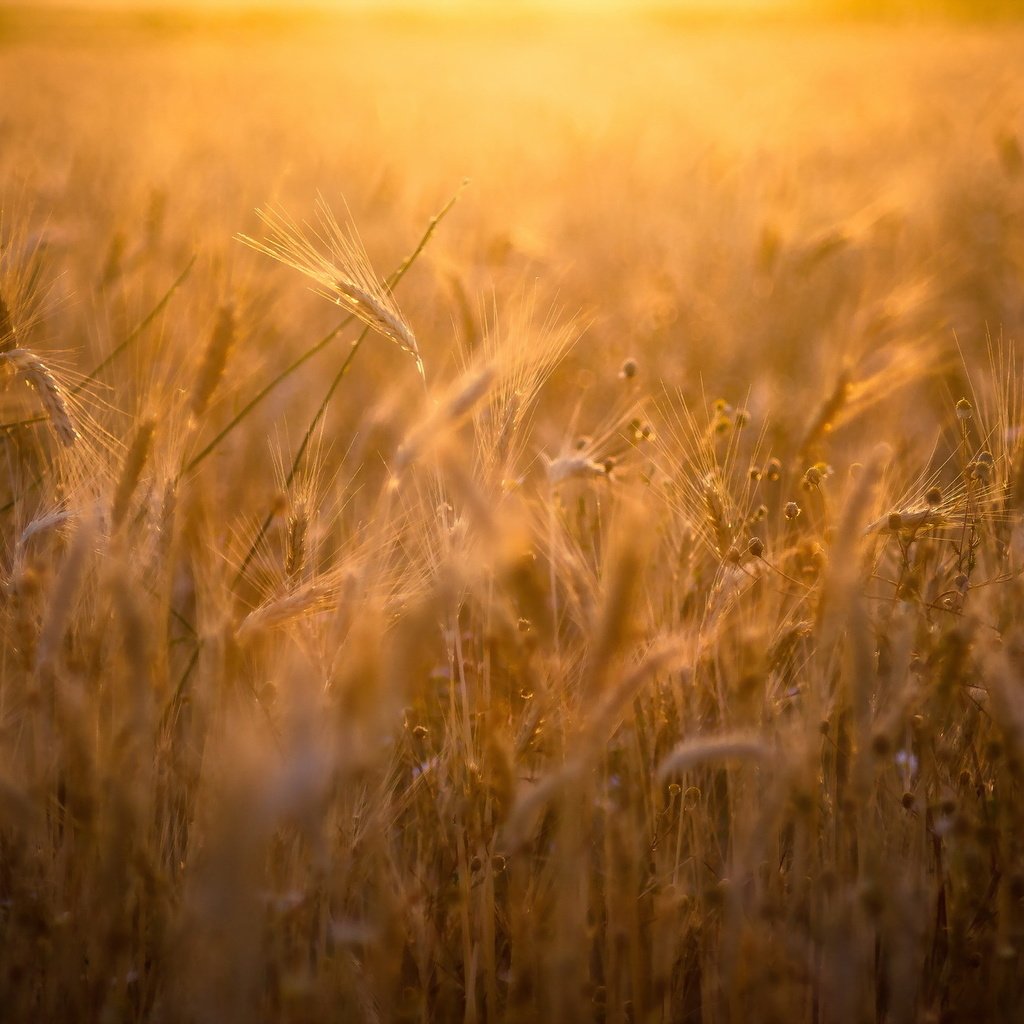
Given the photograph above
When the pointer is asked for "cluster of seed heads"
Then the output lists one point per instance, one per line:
(982, 468)
(726, 418)
(770, 471)
(815, 475)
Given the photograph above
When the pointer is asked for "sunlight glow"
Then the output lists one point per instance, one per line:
(451, 6)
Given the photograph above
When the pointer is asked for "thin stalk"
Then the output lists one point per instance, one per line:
(137, 330)
(300, 454)
(253, 402)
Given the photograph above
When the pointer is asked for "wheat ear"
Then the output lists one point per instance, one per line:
(280, 611)
(214, 361)
(337, 262)
(131, 470)
(35, 372)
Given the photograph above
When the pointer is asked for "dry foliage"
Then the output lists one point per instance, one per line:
(525, 679)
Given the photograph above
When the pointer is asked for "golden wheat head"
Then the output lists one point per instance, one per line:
(335, 260)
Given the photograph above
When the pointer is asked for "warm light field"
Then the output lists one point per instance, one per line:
(655, 655)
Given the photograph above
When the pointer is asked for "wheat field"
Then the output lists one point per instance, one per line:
(511, 519)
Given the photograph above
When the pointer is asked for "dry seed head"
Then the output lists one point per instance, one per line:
(792, 510)
(282, 610)
(336, 261)
(814, 476)
(827, 414)
(40, 524)
(35, 373)
(983, 467)
(702, 749)
(574, 468)
(214, 360)
(964, 410)
(131, 470)
(755, 546)
(717, 516)
(629, 369)
(114, 262)
(472, 388)
(641, 430)
(447, 414)
(911, 519)
(64, 593)
(295, 546)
